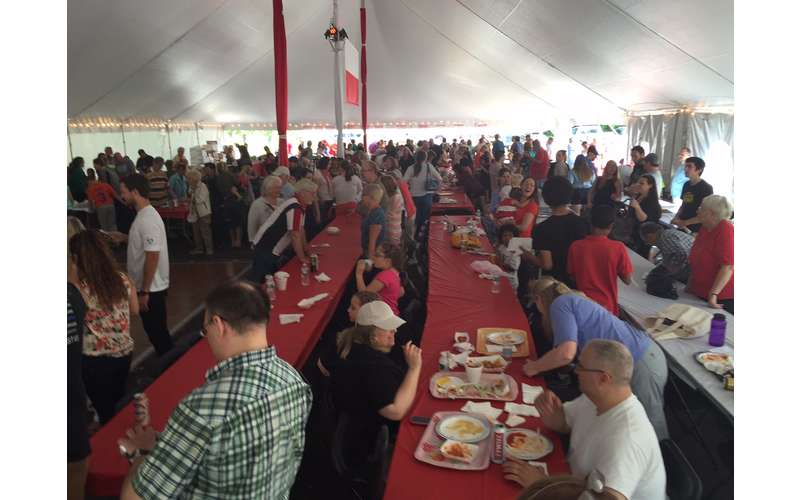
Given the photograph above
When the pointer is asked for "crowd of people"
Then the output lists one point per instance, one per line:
(217, 442)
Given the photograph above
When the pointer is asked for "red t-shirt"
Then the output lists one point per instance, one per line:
(531, 208)
(100, 194)
(540, 165)
(596, 262)
(711, 249)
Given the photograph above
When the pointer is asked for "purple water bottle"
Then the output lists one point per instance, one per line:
(716, 336)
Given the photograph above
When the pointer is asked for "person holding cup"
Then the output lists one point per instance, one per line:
(388, 259)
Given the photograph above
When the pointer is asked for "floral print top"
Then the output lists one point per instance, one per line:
(108, 333)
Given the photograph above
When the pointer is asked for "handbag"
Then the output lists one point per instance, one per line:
(679, 321)
(660, 283)
(431, 183)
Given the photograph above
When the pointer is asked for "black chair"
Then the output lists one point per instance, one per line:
(683, 483)
(368, 480)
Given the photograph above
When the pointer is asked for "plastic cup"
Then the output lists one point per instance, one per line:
(474, 370)
(281, 280)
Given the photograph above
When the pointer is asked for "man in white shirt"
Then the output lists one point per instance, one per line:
(148, 260)
(651, 167)
(608, 427)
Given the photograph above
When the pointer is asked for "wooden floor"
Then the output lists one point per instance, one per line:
(189, 283)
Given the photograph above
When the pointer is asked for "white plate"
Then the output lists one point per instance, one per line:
(505, 338)
(443, 384)
(542, 445)
(472, 429)
(333, 230)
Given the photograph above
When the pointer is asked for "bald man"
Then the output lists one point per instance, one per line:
(610, 433)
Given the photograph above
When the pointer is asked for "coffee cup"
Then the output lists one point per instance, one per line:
(281, 280)
(474, 370)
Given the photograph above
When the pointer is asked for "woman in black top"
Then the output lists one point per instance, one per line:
(646, 208)
(607, 188)
(367, 385)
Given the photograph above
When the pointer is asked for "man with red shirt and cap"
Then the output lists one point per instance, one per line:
(540, 164)
(596, 262)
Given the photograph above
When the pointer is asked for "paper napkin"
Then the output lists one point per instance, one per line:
(321, 245)
(286, 319)
(486, 409)
(322, 277)
(491, 348)
(458, 359)
(540, 464)
(464, 347)
(514, 420)
(518, 409)
(530, 393)
(307, 303)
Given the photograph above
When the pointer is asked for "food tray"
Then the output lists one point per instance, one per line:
(428, 448)
(721, 374)
(523, 350)
(486, 378)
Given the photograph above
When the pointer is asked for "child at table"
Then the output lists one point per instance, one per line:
(508, 259)
(507, 209)
(386, 283)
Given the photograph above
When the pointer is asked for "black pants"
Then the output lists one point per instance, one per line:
(155, 322)
(105, 378)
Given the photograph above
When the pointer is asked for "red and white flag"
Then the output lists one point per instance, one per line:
(352, 63)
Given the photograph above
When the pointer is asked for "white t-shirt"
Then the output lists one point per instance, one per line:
(345, 191)
(416, 184)
(147, 234)
(621, 444)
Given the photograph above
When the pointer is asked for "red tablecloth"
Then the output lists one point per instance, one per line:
(459, 301)
(180, 212)
(294, 343)
(462, 206)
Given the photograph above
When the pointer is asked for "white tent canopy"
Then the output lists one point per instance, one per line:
(515, 61)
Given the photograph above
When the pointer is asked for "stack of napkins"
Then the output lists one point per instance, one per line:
(518, 409)
(484, 409)
(307, 303)
(492, 348)
(457, 359)
(464, 347)
(531, 392)
(322, 277)
(290, 318)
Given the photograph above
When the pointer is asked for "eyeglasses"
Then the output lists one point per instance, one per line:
(580, 368)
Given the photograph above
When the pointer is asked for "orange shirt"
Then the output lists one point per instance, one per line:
(100, 194)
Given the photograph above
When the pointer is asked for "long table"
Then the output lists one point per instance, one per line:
(458, 300)
(639, 305)
(293, 342)
(462, 206)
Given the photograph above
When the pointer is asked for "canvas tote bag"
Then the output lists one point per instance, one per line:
(679, 321)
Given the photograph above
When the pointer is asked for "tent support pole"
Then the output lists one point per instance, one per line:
(281, 80)
(337, 45)
(197, 132)
(69, 141)
(169, 141)
(124, 144)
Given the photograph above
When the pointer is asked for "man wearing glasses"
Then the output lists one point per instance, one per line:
(239, 435)
(610, 432)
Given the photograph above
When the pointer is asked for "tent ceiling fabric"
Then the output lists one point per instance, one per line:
(488, 60)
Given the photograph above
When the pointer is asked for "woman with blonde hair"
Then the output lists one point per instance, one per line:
(367, 385)
(571, 320)
(393, 209)
(581, 176)
(607, 189)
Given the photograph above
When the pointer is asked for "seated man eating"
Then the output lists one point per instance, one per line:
(610, 433)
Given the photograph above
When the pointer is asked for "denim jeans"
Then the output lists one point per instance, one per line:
(423, 204)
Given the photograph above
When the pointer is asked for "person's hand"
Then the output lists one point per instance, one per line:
(139, 438)
(530, 368)
(712, 301)
(634, 203)
(413, 355)
(528, 256)
(548, 405)
(522, 473)
(144, 300)
(361, 266)
(679, 222)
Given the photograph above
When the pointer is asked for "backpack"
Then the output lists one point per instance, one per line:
(661, 284)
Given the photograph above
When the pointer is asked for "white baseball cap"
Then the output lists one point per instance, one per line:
(281, 171)
(378, 314)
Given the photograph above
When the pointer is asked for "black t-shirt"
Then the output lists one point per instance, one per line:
(651, 207)
(77, 422)
(364, 383)
(556, 234)
(692, 196)
(602, 195)
(638, 171)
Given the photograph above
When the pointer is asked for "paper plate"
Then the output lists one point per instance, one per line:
(505, 338)
(463, 428)
(526, 444)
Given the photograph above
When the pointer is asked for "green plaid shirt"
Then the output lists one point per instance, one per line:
(238, 436)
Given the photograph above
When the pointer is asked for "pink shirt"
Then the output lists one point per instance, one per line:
(390, 293)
